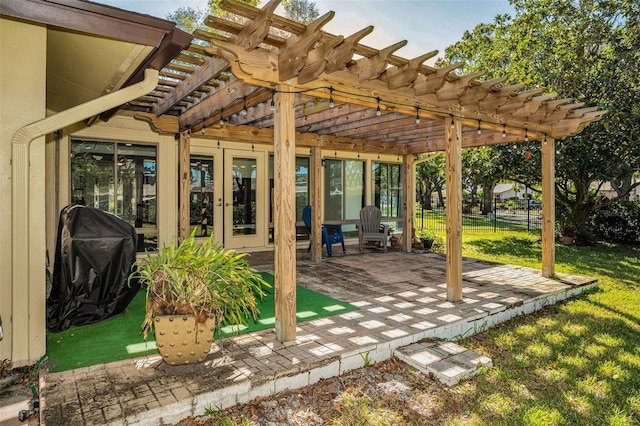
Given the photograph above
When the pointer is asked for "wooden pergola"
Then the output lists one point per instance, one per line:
(262, 78)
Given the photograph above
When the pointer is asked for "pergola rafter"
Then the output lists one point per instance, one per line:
(320, 65)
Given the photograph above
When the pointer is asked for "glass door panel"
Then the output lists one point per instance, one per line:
(244, 223)
(201, 196)
(205, 192)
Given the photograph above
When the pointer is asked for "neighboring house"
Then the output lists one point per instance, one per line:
(607, 190)
(505, 191)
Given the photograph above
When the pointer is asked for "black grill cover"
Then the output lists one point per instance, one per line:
(95, 252)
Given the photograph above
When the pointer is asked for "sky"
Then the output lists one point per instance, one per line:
(426, 24)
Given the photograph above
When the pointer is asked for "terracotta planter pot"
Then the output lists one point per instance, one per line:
(181, 341)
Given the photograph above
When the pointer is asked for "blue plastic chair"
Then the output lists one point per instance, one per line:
(331, 234)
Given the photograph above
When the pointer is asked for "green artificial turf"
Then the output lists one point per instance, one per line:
(119, 337)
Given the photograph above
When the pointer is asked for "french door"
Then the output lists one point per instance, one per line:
(205, 196)
(244, 199)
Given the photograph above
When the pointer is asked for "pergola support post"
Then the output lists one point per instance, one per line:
(548, 207)
(409, 197)
(284, 221)
(453, 151)
(316, 201)
(184, 190)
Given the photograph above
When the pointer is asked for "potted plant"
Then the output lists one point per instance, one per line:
(566, 227)
(427, 237)
(568, 233)
(191, 289)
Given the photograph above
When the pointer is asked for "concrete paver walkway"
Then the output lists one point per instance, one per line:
(402, 300)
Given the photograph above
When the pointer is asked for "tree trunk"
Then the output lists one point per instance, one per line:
(487, 198)
(622, 187)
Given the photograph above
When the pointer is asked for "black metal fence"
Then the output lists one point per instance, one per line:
(504, 215)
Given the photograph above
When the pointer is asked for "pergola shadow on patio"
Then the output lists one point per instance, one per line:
(402, 300)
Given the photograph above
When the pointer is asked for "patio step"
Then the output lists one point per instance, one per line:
(447, 361)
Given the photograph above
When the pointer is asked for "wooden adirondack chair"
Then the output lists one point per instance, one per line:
(370, 228)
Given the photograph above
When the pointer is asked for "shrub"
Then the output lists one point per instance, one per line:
(618, 222)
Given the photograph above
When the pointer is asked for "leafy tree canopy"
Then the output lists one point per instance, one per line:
(583, 49)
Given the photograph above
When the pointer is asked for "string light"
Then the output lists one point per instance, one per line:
(243, 112)
(526, 135)
(378, 100)
(204, 127)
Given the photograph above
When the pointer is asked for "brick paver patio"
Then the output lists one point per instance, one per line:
(402, 300)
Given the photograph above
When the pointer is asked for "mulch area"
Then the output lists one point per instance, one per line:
(388, 392)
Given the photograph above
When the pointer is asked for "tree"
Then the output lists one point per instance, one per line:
(482, 167)
(301, 10)
(430, 177)
(583, 49)
(187, 18)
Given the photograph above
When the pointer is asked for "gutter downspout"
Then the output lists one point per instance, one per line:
(20, 194)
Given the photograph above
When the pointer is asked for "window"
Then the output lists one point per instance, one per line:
(302, 195)
(343, 189)
(387, 190)
(119, 178)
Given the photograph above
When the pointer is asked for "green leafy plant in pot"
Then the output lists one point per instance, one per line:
(427, 237)
(193, 288)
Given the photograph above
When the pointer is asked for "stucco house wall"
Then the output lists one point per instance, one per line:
(23, 55)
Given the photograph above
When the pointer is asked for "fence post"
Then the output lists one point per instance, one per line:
(495, 214)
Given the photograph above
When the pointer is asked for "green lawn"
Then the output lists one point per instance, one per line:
(576, 363)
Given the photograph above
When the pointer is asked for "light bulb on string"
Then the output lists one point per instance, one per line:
(526, 135)
(331, 103)
(479, 129)
(272, 105)
(378, 111)
(221, 117)
(504, 130)
(243, 112)
(452, 122)
(417, 115)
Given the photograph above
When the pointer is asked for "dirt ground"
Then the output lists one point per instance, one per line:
(386, 393)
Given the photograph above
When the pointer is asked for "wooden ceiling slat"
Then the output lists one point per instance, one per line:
(212, 68)
(293, 55)
(371, 67)
(399, 76)
(181, 68)
(255, 31)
